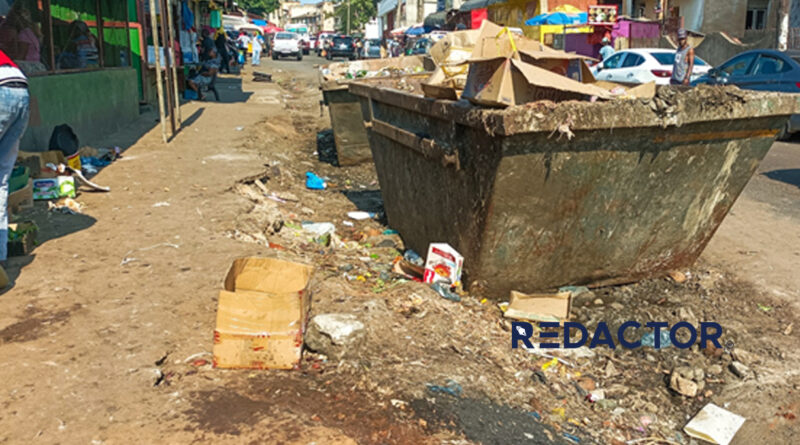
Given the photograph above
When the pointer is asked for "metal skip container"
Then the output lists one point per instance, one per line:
(547, 194)
(349, 135)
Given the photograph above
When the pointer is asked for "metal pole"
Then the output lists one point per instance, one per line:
(167, 68)
(783, 25)
(174, 62)
(159, 87)
(348, 17)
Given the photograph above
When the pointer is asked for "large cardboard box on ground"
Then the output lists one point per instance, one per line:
(262, 314)
(40, 169)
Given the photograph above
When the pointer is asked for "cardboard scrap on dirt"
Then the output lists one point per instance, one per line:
(261, 314)
(714, 424)
(539, 307)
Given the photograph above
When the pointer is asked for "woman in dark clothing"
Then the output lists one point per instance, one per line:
(222, 49)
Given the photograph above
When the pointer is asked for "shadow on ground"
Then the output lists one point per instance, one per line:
(789, 176)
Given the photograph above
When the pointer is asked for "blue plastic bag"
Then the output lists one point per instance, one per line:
(314, 182)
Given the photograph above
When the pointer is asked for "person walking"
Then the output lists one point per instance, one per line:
(14, 110)
(684, 61)
(256, 50)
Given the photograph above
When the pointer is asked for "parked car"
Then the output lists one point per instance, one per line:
(420, 47)
(372, 49)
(643, 65)
(287, 44)
(760, 69)
(342, 46)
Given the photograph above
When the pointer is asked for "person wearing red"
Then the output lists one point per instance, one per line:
(14, 110)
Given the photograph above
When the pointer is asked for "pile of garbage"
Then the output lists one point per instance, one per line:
(366, 69)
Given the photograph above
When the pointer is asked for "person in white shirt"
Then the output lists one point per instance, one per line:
(257, 48)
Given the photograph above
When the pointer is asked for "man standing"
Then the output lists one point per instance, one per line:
(14, 101)
(206, 45)
(607, 50)
(684, 61)
(256, 50)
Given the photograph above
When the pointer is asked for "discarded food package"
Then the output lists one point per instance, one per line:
(262, 314)
(54, 188)
(40, 169)
(539, 307)
(443, 264)
(21, 238)
(714, 424)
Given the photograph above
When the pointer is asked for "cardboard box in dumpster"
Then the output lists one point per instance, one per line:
(262, 314)
(54, 188)
(510, 70)
(443, 264)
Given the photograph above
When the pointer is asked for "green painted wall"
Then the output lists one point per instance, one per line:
(93, 103)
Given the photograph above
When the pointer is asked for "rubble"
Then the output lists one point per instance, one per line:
(335, 335)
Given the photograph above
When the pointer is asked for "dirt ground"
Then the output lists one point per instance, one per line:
(108, 330)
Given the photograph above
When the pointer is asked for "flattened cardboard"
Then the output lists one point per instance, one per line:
(539, 307)
(714, 424)
(262, 314)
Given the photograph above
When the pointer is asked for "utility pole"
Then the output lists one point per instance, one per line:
(783, 25)
(397, 14)
(348, 17)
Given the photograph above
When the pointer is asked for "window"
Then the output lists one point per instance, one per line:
(632, 60)
(45, 36)
(613, 61)
(767, 65)
(22, 35)
(738, 66)
(756, 19)
(664, 58)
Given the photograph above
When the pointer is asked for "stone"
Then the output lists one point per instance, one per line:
(335, 335)
(714, 370)
(677, 276)
(744, 357)
(682, 385)
(699, 374)
(587, 383)
(611, 370)
(598, 302)
(739, 369)
(617, 306)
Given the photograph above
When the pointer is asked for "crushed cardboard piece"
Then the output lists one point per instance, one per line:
(262, 314)
(714, 424)
(443, 264)
(539, 307)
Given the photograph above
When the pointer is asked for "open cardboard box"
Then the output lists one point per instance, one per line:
(262, 314)
(539, 307)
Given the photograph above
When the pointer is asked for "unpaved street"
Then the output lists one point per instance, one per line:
(107, 332)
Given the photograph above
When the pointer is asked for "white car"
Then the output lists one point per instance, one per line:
(643, 65)
(287, 44)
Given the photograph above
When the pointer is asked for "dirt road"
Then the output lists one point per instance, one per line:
(107, 332)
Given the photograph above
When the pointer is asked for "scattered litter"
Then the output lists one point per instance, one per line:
(648, 339)
(443, 264)
(319, 229)
(161, 204)
(714, 424)
(127, 259)
(239, 128)
(444, 291)
(413, 258)
(358, 216)
(451, 387)
(65, 205)
(314, 182)
(348, 223)
(390, 232)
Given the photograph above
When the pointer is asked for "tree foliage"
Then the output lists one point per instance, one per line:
(260, 6)
(361, 12)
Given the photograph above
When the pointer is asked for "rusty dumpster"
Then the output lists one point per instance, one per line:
(348, 128)
(574, 193)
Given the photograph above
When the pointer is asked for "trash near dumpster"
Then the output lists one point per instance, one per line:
(348, 129)
(545, 194)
